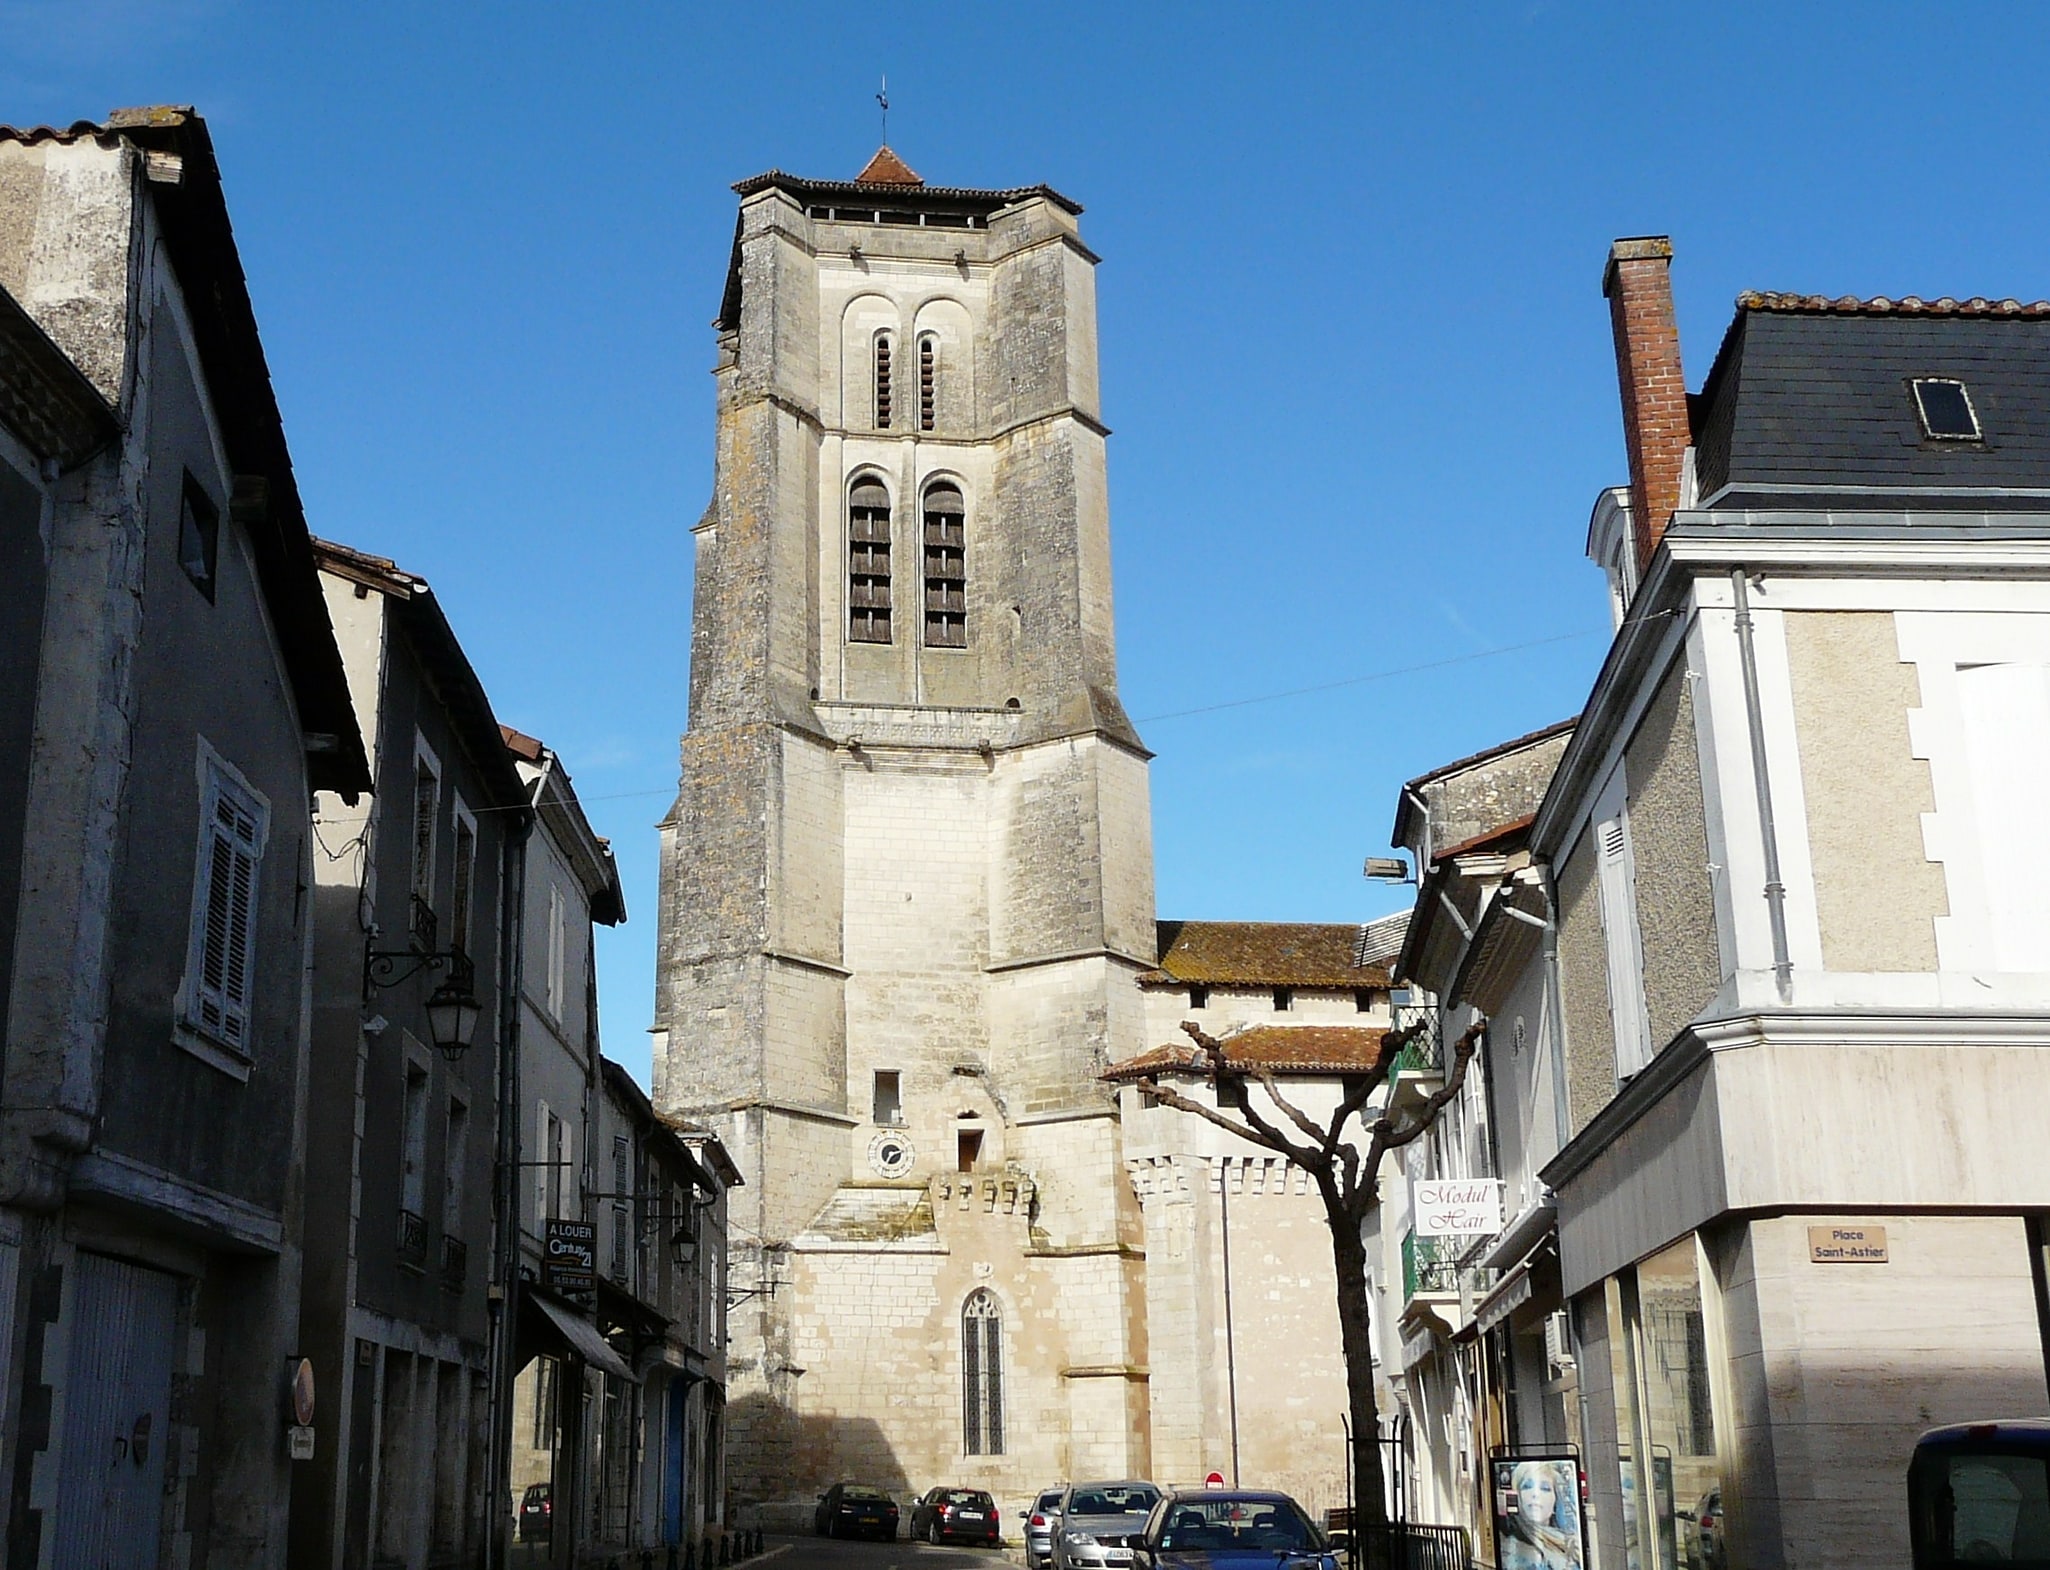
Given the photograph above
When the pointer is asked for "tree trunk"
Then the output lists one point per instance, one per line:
(1356, 1337)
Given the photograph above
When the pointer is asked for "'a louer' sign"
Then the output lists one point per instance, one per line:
(1458, 1207)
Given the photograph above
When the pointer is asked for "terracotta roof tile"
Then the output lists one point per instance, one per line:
(1285, 1049)
(520, 744)
(886, 168)
(1880, 305)
(1263, 954)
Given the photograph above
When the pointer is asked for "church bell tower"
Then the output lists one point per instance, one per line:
(907, 882)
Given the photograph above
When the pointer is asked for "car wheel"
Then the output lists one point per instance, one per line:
(932, 1532)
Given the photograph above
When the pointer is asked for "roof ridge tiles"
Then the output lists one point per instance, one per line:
(1884, 305)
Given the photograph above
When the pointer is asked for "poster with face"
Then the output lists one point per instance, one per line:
(1538, 1525)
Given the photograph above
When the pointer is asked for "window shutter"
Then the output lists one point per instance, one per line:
(223, 960)
(1619, 926)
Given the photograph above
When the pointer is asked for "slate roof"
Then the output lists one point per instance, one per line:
(1808, 405)
(1262, 954)
(1284, 1049)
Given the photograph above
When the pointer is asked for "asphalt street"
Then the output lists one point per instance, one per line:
(802, 1553)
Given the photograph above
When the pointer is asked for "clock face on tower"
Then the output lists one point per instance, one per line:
(891, 1154)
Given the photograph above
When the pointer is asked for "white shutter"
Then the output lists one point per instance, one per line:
(1619, 927)
(221, 965)
(544, 1147)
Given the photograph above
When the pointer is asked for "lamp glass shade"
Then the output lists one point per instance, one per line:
(684, 1246)
(452, 1018)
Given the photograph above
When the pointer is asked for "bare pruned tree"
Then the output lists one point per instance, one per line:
(1346, 1178)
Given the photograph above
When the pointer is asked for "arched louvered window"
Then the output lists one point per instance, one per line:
(928, 356)
(868, 563)
(982, 1375)
(946, 568)
(883, 355)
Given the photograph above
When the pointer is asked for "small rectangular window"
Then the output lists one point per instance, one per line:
(1284, 999)
(199, 536)
(889, 1105)
(1363, 1000)
(967, 1149)
(221, 957)
(426, 821)
(1946, 409)
(464, 889)
(1199, 996)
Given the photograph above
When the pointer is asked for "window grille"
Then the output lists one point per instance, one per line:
(882, 381)
(221, 962)
(868, 563)
(982, 1375)
(928, 353)
(946, 569)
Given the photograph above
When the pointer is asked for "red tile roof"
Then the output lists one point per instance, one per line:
(520, 744)
(1880, 305)
(1284, 1049)
(886, 168)
(1262, 954)
(1498, 838)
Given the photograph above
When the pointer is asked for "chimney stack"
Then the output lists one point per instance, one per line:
(1639, 285)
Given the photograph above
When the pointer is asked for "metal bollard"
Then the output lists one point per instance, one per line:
(690, 1556)
(672, 1557)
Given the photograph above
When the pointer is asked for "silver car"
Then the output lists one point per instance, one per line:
(1040, 1523)
(1096, 1520)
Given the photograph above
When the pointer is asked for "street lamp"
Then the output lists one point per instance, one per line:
(452, 1007)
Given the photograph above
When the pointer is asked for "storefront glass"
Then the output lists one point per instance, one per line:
(1682, 1487)
(1622, 1312)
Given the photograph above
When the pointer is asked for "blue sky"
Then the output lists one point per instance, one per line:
(1354, 348)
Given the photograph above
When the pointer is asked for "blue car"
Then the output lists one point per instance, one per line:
(1231, 1529)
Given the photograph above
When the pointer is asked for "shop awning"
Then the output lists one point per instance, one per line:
(582, 1338)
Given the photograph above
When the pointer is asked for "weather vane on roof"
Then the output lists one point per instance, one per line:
(883, 98)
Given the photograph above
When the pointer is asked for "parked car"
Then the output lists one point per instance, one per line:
(1040, 1523)
(1705, 1532)
(855, 1510)
(1979, 1493)
(537, 1512)
(947, 1515)
(1232, 1529)
(1096, 1521)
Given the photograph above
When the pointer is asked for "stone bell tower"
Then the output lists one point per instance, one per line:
(908, 878)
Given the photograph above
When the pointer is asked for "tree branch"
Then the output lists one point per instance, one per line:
(1182, 1103)
(1388, 1136)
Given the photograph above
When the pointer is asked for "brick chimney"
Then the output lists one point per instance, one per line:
(1639, 285)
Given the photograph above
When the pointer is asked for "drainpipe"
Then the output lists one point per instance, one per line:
(1775, 890)
(512, 883)
(1231, 1362)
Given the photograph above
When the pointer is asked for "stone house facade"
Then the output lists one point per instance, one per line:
(174, 701)
(412, 891)
(1784, 909)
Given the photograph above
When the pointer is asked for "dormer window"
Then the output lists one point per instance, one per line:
(1946, 409)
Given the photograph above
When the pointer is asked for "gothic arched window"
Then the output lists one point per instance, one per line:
(928, 355)
(982, 1374)
(868, 562)
(946, 568)
(882, 381)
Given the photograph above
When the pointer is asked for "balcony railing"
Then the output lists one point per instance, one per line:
(412, 1238)
(455, 1262)
(1431, 1264)
(1423, 1052)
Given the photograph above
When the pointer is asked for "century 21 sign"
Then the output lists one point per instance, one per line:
(569, 1256)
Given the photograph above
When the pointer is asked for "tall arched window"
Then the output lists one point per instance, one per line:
(928, 355)
(946, 568)
(868, 563)
(882, 381)
(982, 1375)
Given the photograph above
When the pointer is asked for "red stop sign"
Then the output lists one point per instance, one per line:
(1214, 1480)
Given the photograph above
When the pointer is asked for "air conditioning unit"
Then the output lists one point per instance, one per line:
(1558, 1343)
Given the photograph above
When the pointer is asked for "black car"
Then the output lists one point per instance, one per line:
(855, 1510)
(956, 1514)
(537, 1512)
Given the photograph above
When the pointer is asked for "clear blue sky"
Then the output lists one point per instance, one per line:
(1354, 348)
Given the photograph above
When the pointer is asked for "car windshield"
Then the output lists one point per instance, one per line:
(1118, 1500)
(1230, 1525)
